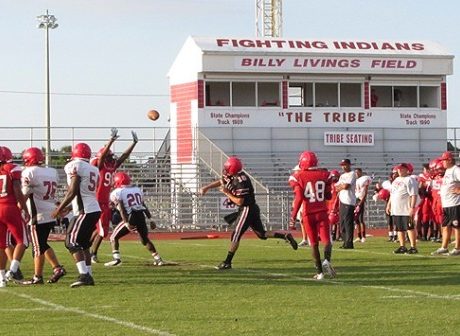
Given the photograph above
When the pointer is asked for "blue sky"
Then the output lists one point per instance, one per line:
(126, 47)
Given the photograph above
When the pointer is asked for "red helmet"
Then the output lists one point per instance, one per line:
(33, 156)
(81, 151)
(383, 194)
(307, 160)
(410, 168)
(232, 166)
(5, 155)
(333, 218)
(121, 179)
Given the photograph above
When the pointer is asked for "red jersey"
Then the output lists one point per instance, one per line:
(315, 190)
(9, 173)
(105, 180)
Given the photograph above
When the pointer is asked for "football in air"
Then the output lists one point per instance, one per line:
(153, 115)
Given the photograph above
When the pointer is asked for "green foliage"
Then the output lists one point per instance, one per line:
(269, 291)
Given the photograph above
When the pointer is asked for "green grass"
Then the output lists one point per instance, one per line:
(268, 292)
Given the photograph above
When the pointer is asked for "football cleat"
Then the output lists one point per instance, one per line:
(319, 276)
(412, 250)
(2, 283)
(224, 266)
(58, 273)
(327, 267)
(36, 280)
(440, 251)
(400, 250)
(94, 259)
(290, 239)
(14, 276)
(83, 280)
(303, 243)
(115, 262)
(157, 261)
(455, 252)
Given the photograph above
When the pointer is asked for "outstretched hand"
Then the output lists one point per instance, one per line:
(114, 133)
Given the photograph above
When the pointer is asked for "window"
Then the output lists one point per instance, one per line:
(326, 94)
(268, 94)
(381, 96)
(350, 95)
(300, 94)
(429, 96)
(405, 96)
(217, 94)
(243, 94)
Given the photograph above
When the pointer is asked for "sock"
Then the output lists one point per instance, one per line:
(14, 265)
(229, 258)
(116, 254)
(2, 274)
(90, 269)
(81, 266)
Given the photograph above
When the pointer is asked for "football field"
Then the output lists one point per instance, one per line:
(269, 291)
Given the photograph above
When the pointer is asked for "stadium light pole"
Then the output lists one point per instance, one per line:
(47, 22)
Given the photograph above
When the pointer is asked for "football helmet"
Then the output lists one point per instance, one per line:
(334, 175)
(5, 155)
(232, 166)
(121, 179)
(33, 156)
(81, 151)
(383, 194)
(333, 218)
(110, 156)
(307, 160)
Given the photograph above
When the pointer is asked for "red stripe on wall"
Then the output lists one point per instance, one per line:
(366, 95)
(285, 95)
(443, 96)
(183, 95)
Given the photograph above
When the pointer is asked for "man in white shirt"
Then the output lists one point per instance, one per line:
(401, 206)
(82, 179)
(346, 189)
(450, 201)
(362, 186)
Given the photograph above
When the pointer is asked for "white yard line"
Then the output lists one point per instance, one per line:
(88, 314)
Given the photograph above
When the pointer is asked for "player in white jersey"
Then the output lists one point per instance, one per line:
(39, 185)
(130, 201)
(82, 179)
(450, 201)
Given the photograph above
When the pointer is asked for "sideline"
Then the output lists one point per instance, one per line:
(55, 306)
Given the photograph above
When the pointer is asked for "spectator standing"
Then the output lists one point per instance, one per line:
(401, 206)
(362, 188)
(450, 200)
(346, 189)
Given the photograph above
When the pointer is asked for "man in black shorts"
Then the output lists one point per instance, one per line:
(237, 186)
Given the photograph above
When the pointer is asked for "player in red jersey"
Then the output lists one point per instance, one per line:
(107, 164)
(311, 191)
(425, 213)
(333, 207)
(436, 197)
(12, 203)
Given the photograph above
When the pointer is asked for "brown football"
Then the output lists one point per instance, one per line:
(153, 115)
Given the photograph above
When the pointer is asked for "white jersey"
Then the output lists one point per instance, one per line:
(131, 197)
(450, 180)
(347, 196)
(85, 200)
(39, 185)
(361, 184)
(401, 190)
(386, 185)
